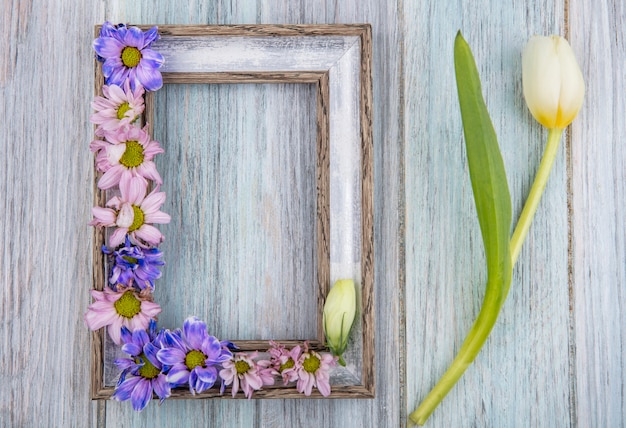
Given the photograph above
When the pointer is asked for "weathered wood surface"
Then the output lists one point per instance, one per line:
(557, 354)
(598, 181)
(523, 376)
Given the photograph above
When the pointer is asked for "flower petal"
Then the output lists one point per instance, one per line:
(118, 237)
(141, 395)
(149, 234)
(158, 217)
(107, 47)
(150, 36)
(148, 170)
(151, 351)
(178, 375)
(103, 216)
(161, 387)
(111, 178)
(124, 391)
(150, 309)
(152, 58)
(124, 363)
(149, 77)
(194, 332)
(133, 189)
(153, 202)
(125, 216)
(171, 356)
(132, 349)
(207, 374)
(96, 320)
(114, 330)
(323, 386)
(134, 37)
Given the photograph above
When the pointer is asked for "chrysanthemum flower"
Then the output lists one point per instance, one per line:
(131, 213)
(193, 355)
(143, 373)
(243, 371)
(314, 371)
(127, 55)
(124, 307)
(117, 108)
(128, 152)
(132, 263)
(285, 363)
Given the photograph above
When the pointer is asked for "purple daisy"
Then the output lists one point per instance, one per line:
(127, 55)
(132, 263)
(194, 356)
(143, 373)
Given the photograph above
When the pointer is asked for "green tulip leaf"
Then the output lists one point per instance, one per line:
(493, 206)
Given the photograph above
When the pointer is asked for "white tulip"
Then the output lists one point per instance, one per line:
(552, 80)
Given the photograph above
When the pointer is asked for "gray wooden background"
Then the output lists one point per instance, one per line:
(557, 355)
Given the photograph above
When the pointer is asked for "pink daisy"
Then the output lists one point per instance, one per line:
(285, 363)
(128, 152)
(116, 309)
(117, 108)
(131, 213)
(314, 371)
(243, 371)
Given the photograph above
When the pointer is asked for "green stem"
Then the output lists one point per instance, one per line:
(532, 202)
(494, 298)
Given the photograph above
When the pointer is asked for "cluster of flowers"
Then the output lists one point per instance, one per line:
(159, 361)
(191, 357)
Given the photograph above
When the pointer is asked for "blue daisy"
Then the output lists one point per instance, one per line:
(142, 374)
(134, 263)
(194, 356)
(126, 55)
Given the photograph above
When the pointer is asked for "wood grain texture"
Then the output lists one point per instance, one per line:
(45, 256)
(527, 375)
(598, 212)
(522, 375)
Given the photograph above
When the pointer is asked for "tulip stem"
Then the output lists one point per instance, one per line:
(539, 185)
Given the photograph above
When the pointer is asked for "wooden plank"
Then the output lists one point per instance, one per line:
(45, 249)
(354, 413)
(599, 208)
(522, 375)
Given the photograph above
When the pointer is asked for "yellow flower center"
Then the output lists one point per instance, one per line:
(122, 109)
(242, 367)
(131, 260)
(128, 305)
(311, 364)
(288, 365)
(137, 219)
(148, 370)
(194, 359)
(131, 56)
(133, 155)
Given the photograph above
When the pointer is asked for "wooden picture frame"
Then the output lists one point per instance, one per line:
(337, 60)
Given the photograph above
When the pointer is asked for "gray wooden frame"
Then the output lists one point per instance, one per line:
(337, 59)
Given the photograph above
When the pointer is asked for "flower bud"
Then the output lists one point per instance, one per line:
(553, 83)
(339, 312)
